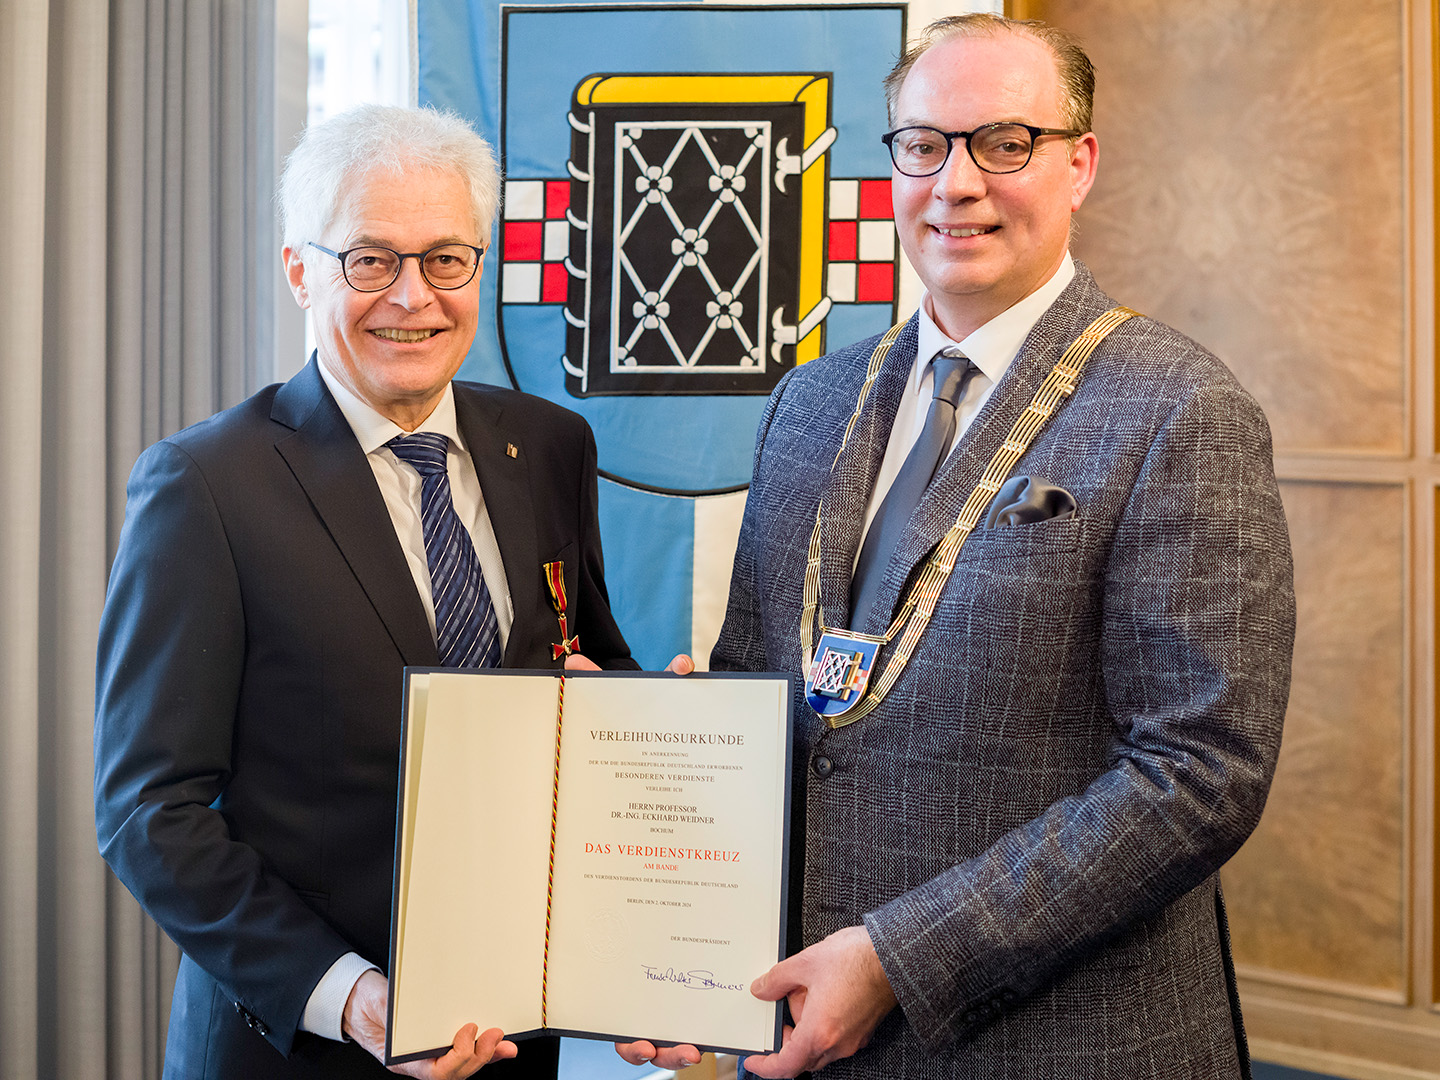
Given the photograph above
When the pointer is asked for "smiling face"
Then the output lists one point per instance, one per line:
(396, 349)
(982, 242)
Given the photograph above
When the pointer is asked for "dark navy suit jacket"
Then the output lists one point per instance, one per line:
(259, 613)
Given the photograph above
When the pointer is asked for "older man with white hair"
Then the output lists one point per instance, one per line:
(282, 562)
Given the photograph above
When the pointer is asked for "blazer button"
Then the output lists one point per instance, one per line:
(822, 766)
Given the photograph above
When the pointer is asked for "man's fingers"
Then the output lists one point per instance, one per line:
(767, 1066)
(636, 1053)
(471, 1051)
(491, 1045)
(774, 984)
(677, 1057)
(666, 1057)
(837, 993)
(791, 1060)
(681, 665)
(759, 1059)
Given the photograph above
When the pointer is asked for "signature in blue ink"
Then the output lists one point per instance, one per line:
(694, 980)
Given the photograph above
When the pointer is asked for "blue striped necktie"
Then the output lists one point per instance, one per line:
(466, 633)
(951, 373)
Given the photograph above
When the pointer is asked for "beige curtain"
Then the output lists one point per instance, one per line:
(136, 295)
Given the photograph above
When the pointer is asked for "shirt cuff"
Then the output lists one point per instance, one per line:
(326, 1007)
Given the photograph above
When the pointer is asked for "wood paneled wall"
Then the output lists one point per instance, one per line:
(1267, 186)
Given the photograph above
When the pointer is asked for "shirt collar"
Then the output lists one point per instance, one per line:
(993, 346)
(373, 430)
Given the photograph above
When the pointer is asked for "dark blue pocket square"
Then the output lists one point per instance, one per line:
(1024, 500)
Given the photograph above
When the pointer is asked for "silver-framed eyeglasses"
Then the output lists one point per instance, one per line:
(995, 148)
(373, 269)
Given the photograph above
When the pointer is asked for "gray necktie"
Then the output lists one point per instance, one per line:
(952, 372)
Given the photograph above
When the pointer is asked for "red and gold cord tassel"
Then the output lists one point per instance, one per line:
(550, 879)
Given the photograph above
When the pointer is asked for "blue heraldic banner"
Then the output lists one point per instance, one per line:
(696, 200)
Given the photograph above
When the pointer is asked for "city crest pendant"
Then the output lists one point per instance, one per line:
(840, 671)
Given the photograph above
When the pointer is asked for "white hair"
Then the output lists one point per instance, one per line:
(335, 156)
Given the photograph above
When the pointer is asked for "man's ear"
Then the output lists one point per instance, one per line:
(295, 274)
(1084, 161)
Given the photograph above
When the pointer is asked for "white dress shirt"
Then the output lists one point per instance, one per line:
(400, 486)
(990, 347)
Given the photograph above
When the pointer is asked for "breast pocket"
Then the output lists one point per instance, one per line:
(1053, 537)
(1010, 581)
(1019, 620)
(567, 557)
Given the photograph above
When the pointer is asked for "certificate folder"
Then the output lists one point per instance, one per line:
(596, 854)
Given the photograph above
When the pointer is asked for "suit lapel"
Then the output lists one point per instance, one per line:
(853, 477)
(942, 502)
(327, 462)
(509, 500)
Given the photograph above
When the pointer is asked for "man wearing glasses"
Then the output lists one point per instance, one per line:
(1031, 556)
(282, 562)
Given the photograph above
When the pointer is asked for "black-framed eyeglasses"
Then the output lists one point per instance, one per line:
(995, 148)
(373, 269)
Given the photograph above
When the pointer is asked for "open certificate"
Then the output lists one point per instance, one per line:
(600, 855)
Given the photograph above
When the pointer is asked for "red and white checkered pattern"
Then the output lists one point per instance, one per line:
(535, 239)
(860, 254)
(861, 250)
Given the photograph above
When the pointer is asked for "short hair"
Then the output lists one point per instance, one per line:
(1077, 74)
(334, 156)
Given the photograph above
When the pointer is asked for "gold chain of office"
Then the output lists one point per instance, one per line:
(914, 615)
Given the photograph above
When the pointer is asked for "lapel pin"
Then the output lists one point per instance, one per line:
(510, 450)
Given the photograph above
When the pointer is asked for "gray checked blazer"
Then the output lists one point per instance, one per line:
(1031, 824)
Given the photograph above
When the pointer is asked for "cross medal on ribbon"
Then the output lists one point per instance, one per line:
(555, 581)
